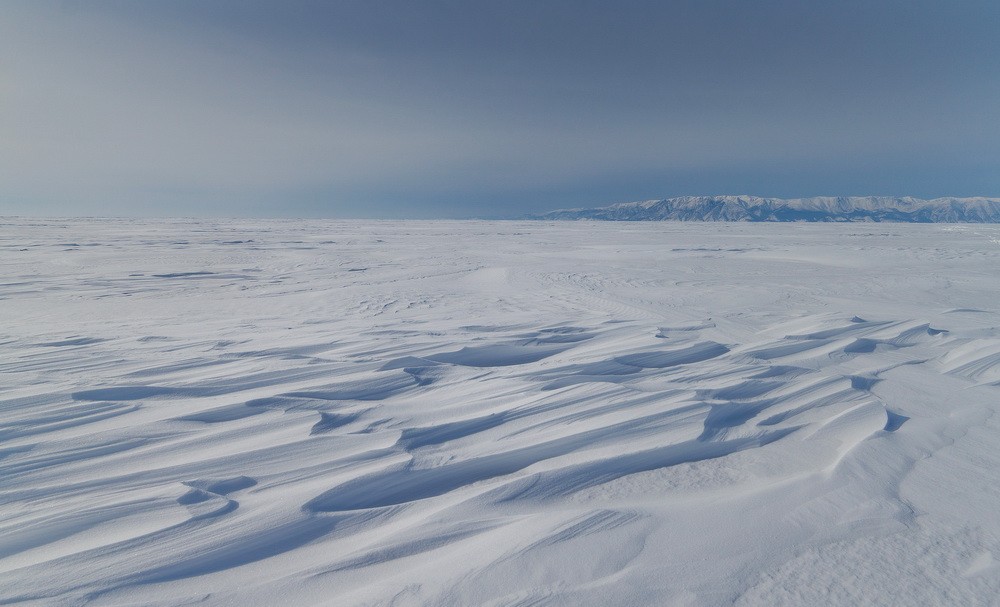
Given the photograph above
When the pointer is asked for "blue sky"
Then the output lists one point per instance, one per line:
(460, 109)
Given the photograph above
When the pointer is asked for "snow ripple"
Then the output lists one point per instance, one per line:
(285, 412)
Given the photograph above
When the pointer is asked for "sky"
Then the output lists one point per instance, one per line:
(424, 109)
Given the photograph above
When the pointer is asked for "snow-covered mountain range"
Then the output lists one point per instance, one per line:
(821, 208)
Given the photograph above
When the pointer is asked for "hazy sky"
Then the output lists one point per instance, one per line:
(465, 108)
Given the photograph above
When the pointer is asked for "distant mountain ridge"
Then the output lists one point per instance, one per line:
(820, 208)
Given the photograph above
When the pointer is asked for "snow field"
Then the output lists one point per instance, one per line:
(498, 413)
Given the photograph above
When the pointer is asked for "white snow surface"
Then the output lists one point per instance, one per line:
(498, 413)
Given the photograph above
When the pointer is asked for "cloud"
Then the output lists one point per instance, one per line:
(405, 109)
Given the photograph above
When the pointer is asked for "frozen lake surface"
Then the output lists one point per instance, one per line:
(498, 413)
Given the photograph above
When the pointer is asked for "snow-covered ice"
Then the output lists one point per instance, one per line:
(498, 413)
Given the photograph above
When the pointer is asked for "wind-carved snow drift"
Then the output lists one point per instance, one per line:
(479, 413)
(823, 208)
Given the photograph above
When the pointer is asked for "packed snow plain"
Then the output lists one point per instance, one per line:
(498, 413)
